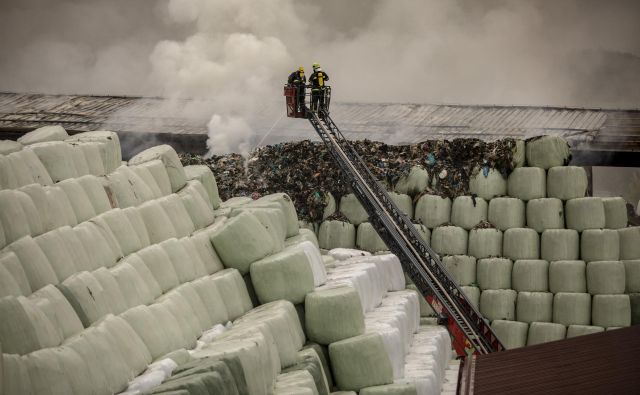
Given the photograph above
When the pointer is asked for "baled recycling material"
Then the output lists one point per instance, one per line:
(615, 212)
(521, 243)
(494, 273)
(572, 308)
(35, 264)
(341, 306)
(566, 182)
(512, 334)
(169, 158)
(534, 307)
(488, 184)
(485, 243)
(56, 157)
(159, 173)
(367, 238)
(505, 213)
(468, 211)
(46, 133)
(433, 210)
(178, 215)
(600, 245)
(527, 183)
(60, 313)
(461, 267)
(567, 276)
(353, 210)
(560, 245)
(543, 332)
(629, 242)
(336, 234)
(611, 310)
(585, 213)
(204, 174)
(159, 226)
(547, 152)
(530, 275)
(28, 330)
(632, 275)
(414, 182)
(546, 213)
(449, 240)
(10, 262)
(581, 330)
(498, 304)
(286, 275)
(605, 277)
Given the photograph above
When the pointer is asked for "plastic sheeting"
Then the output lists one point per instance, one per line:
(585, 213)
(360, 361)
(560, 245)
(336, 234)
(534, 307)
(572, 308)
(433, 210)
(333, 314)
(449, 240)
(530, 275)
(512, 334)
(28, 330)
(468, 211)
(365, 277)
(286, 275)
(169, 158)
(494, 273)
(521, 243)
(527, 183)
(505, 213)
(605, 277)
(485, 243)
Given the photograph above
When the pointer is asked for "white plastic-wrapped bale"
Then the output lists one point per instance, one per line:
(544, 332)
(336, 234)
(109, 150)
(567, 276)
(133, 287)
(92, 186)
(57, 158)
(158, 262)
(352, 209)
(78, 198)
(57, 254)
(287, 207)
(391, 389)
(127, 342)
(413, 183)
(600, 245)
(13, 218)
(159, 173)
(38, 196)
(462, 268)
(566, 182)
(360, 361)
(137, 222)
(305, 235)
(159, 226)
(19, 170)
(204, 174)
(43, 134)
(61, 210)
(472, 293)
(581, 330)
(116, 220)
(60, 313)
(34, 262)
(506, 213)
(404, 203)
(585, 213)
(611, 310)
(187, 320)
(298, 382)
(145, 174)
(560, 245)
(80, 253)
(615, 212)
(273, 221)
(8, 284)
(142, 320)
(521, 243)
(424, 232)
(605, 277)
(545, 213)
(286, 275)
(9, 146)
(572, 308)
(178, 214)
(468, 211)
(171, 162)
(198, 208)
(7, 175)
(498, 304)
(212, 299)
(14, 274)
(92, 155)
(632, 275)
(433, 210)
(192, 297)
(180, 260)
(547, 152)
(512, 334)
(341, 306)
(195, 257)
(207, 253)
(79, 160)
(367, 238)
(527, 183)
(530, 275)
(242, 240)
(487, 183)
(629, 242)
(534, 307)
(494, 273)
(34, 221)
(119, 185)
(28, 330)
(233, 291)
(330, 206)
(485, 243)
(449, 240)
(237, 201)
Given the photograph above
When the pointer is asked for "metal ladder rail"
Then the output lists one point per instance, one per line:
(416, 268)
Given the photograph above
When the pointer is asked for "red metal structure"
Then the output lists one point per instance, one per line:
(294, 110)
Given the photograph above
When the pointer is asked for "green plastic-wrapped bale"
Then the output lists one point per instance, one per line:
(521, 243)
(572, 308)
(512, 334)
(494, 273)
(468, 211)
(534, 307)
(286, 275)
(449, 240)
(498, 304)
(487, 186)
(530, 275)
(367, 239)
(413, 183)
(169, 158)
(611, 310)
(390, 389)
(233, 291)
(545, 213)
(506, 213)
(632, 275)
(615, 212)
(305, 235)
(309, 360)
(527, 183)
(341, 307)
(28, 330)
(485, 243)
(295, 382)
(204, 174)
(600, 245)
(424, 232)
(560, 245)
(404, 203)
(605, 277)
(35, 264)
(472, 293)
(544, 332)
(461, 267)
(585, 213)
(567, 276)
(548, 151)
(433, 210)
(566, 182)
(287, 207)
(352, 209)
(360, 361)
(581, 330)
(336, 234)
(273, 221)
(629, 242)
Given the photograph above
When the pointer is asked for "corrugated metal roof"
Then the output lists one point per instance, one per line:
(603, 363)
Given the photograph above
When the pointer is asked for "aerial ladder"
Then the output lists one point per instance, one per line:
(469, 330)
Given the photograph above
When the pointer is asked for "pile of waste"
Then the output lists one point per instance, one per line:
(305, 170)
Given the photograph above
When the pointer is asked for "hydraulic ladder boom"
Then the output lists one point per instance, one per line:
(469, 331)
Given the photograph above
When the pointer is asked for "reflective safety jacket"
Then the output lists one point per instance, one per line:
(318, 79)
(297, 78)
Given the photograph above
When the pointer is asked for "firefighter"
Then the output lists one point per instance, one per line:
(299, 80)
(318, 83)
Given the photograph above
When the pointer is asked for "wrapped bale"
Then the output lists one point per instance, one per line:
(8, 285)
(118, 222)
(9, 146)
(96, 193)
(233, 291)
(600, 245)
(530, 275)
(109, 149)
(544, 332)
(390, 389)
(485, 243)
(632, 275)
(489, 185)
(273, 221)
(92, 155)
(566, 182)
(468, 211)
(159, 226)
(462, 268)
(424, 232)
(585, 213)
(615, 212)
(133, 287)
(178, 214)
(287, 207)
(35, 264)
(605, 277)
(336, 234)
(546, 213)
(79, 160)
(8, 178)
(61, 211)
(145, 174)
(341, 306)
(353, 210)
(19, 171)
(521, 243)
(14, 274)
(449, 240)
(204, 174)
(286, 275)
(581, 330)
(13, 218)
(567, 276)
(611, 310)
(404, 203)
(34, 165)
(472, 293)
(79, 199)
(433, 210)
(527, 183)
(171, 162)
(199, 210)
(305, 235)
(534, 307)
(184, 266)
(415, 182)
(159, 264)
(512, 334)
(102, 255)
(57, 254)
(296, 382)
(38, 196)
(572, 308)
(547, 152)
(43, 134)
(519, 154)
(367, 238)
(57, 158)
(494, 273)
(634, 299)
(560, 245)
(506, 213)
(359, 362)
(160, 175)
(28, 330)
(498, 304)
(629, 242)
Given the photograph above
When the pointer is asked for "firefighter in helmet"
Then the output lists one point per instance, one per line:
(318, 81)
(299, 80)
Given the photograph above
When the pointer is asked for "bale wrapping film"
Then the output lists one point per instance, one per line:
(530, 275)
(137, 222)
(512, 334)
(414, 182)
(185, 316)
(581, 330)
(38, 196)
(273, 222)
(101, 253)
(159, 226)
(110, 148)
(572, 308)
(159, 173)
(611, 310)
(92, 154)
(341, 306)
(527, 183)
(485, 243)
(43, 134)
(233, 291)
(180, 260)
(117, 302)
(9, 146)
(28, 330)
(47, 374)
(498, 304)
(34, 262)
(600, 245)
(506, 212)
(629, 242)
(199, 210)
(173, 334)
(178, 215)
(353, 210)
(147, 275)
(545, 213)
(404, 203)
(632, 275)
(119, 224)
(367, 238)
(200, 270)
(566, 182)
(585, 213)
(336, 234)
(8, 178)
(207, 253)
(360, 361)
(560, 245)
(132, 349)
(296, 382)
(79, 161)
(494, 273)
(78, 198)
(534, 307)
(145, 174)
(87, 297)
(21, 172)
(34, 166)
(59, 257)
(92, 186)
(521, 243)
(287, 207)
(145, 324)
(189, 293)
(548, 151)
(8, 285)
(35, 222)
(433, 210)
(133, 287)
(543, 332)
(204, 174)
(462, 268)
(472, 293)
(487, 186)
(10, 262)
(449, 240)
(605, 277)
(56, 157)
(615, 212)
(15, 378)
(305, 235)
(310, 360)
(59, 203)
(13, 219)
(567, 276)
(121, 183)
(212, 299)
(286, 275)
(159, 263)
(468, 211)
(171, 162)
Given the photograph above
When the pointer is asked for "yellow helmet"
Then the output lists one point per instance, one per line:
(316, 66)
(301, 69)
